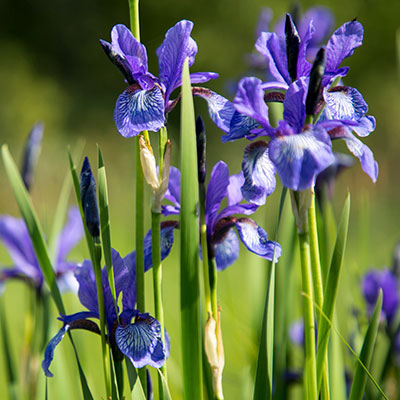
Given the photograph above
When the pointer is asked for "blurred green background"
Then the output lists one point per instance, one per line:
(53, 69)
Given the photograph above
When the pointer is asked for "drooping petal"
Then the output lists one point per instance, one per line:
(167, 240)
(298, 158)
(294, 111)
(202, 77)
(359, 149)
(70, 235)
(345, 103)
(87, 292)
(139, 110)
(245, 208)
(68, 319)
(365, 126)
(125, 44)
(216, 191)
(249, 100)
(241, 126)
(49, 352)
(234, 194)
(141, 342)
(176, 47)
(15, 237)
(258, 172)
(256, 239)
(227, 251)
(273, 47)
(220, 109)
(343, 43)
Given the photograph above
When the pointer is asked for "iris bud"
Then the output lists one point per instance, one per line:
(292, 46)
(314, 86)
(201, 149)
(89, 199)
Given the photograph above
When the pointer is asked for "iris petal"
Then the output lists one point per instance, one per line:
(240, 126)
(256, 239)
(87, 291)
(298, 158)
(258, 172)
(139, 110)
(49, 352)
(227, 251)
(141, 342)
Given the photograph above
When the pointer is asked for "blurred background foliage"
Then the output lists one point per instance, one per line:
(53, 69)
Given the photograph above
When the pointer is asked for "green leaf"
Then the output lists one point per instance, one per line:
(360, 377)
(189, 252)
(331, 288)
(264, 373)
(105, 225)
(166, 393)
(134, 382)
(32, 223)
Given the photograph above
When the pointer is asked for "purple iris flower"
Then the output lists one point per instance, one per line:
(223, 243)
(141, 340)
(388, 282)
(147, 100)
(15, 237)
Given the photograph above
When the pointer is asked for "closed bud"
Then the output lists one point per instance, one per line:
(89, 199)
(314, 86)
(31, 154)
(201, 149)
(292, 46)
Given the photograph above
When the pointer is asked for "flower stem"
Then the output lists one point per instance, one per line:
(100, 298)
(213, 286)
(309, 323)
(134, 18)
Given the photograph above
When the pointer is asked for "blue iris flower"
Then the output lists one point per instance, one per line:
(223, 243)
(139, 340)
(144, 105)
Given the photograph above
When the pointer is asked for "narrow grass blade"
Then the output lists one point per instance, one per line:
(137, 392)
(11, 375)
(360, 377)
(32, 223)
(105, 225)
(331, 288)
(189, 253)
(264, 373)
(166, 393)
(61, 209)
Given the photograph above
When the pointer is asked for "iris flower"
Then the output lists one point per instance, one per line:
(223, 243)
(15, 237)
(141, 340)
(144, 105)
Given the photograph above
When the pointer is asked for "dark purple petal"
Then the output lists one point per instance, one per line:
(342, 44)
(256, 239)
(220, 109)
(234, 194)
(360, 150)
(249, 100)
(173, 193)
(227, 251)
(345, 103)
(246, 209)
(176, 47)
(216, 191)
(125, 44)
(15, 237)
(139, 110)
(170, 210)
(294, 111)
(87, 292)
(273, 47)
(303, 66)
(365, 126)
(300, 157)
(258, 172)
(129, 294)
(49, 352)
(167, 240)
(67, 319)
(70, 236)
(240, 126)
(141, 342)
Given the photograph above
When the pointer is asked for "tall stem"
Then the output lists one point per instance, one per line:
(100, 298)
(134, 18)
(309, 323)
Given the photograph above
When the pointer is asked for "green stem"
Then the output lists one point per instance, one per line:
(134, 18)
(204, 250)
(309, 323)
(213, 286)
(100, 297)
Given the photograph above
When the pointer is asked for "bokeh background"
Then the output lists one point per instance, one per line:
(53, 69)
